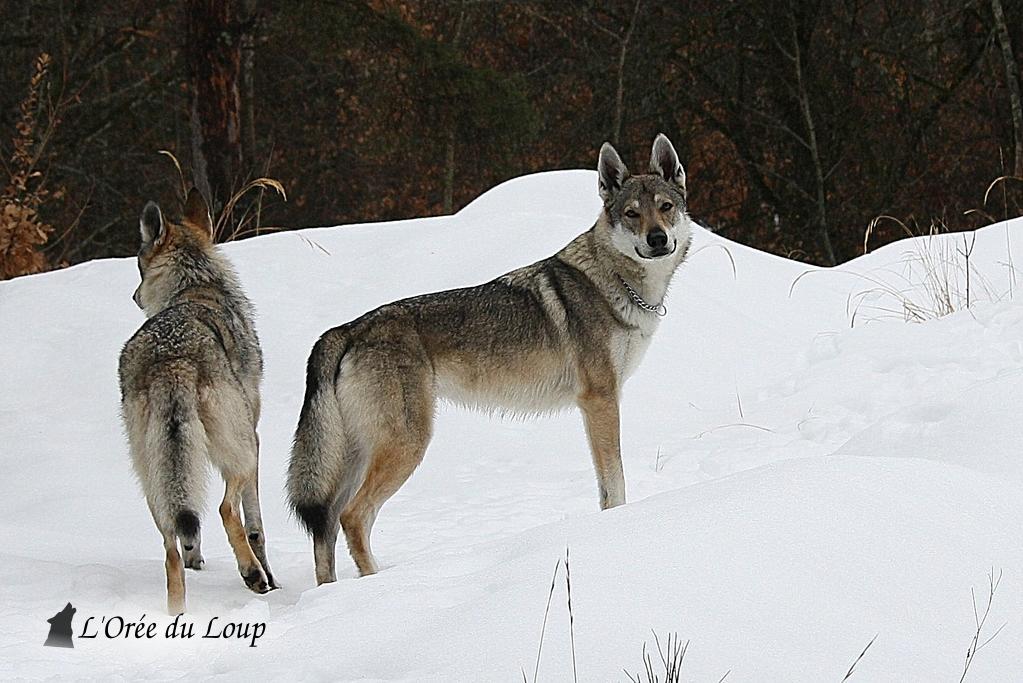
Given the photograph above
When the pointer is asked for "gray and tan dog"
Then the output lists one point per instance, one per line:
(566, 330)
(190, 394)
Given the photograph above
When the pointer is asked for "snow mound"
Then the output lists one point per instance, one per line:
(805, 470)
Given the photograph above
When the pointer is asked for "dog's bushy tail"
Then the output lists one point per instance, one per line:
(326, 467)
(177, 455)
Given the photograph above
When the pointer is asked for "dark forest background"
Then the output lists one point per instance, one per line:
(799, 122)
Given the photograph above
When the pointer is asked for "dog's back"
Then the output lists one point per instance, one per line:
(177, 382)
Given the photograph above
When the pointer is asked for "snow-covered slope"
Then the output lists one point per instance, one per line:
(797, 484)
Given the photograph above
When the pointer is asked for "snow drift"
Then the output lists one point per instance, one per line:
(805, 470)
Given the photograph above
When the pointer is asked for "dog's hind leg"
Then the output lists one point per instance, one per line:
(393, 459)
(172, 565)
(600, 413)
(191, 551)
(248, 566)
(324, 542)
(175, 571)
(391, 467)
(254, 521)
(234, 450)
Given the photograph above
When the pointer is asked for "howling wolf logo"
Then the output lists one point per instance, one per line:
(60, 628)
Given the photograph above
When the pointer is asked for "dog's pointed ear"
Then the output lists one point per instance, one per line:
(612, 172)
(664, 162)
(151, 225)
(197, 213)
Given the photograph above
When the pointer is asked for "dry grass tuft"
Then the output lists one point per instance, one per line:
(671, 662)
(543, 627)
(937, 277)
(249, 222)
(852, 669)
(979, 621)
(934, 278)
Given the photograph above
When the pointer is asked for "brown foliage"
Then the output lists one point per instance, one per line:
(22, 232)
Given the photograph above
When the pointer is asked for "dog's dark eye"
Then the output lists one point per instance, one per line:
(631, 214)
(666, 206)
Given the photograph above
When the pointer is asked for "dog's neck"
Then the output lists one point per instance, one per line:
(200, 276)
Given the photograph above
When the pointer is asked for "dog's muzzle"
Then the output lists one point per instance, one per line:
(657, 243)
(659, 252)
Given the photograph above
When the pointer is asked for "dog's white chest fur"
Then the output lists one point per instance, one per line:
(628, 346)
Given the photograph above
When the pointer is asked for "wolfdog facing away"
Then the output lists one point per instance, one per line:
(190, 394)
(568, 329)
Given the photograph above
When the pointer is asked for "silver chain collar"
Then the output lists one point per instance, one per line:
(658, 310)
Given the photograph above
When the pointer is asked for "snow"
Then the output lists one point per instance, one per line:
(805, 470)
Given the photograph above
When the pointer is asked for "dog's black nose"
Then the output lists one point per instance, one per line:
(657, 239)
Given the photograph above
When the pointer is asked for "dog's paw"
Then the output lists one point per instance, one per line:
(256, 580)
(195, 562)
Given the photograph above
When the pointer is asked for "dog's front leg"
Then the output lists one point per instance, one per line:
(600, 413)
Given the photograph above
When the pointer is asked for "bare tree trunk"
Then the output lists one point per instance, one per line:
(814, 148)
(1012, 81)
(214, 57)
(619, 110)
(449, 171)
(452, 133)
(248, 66)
